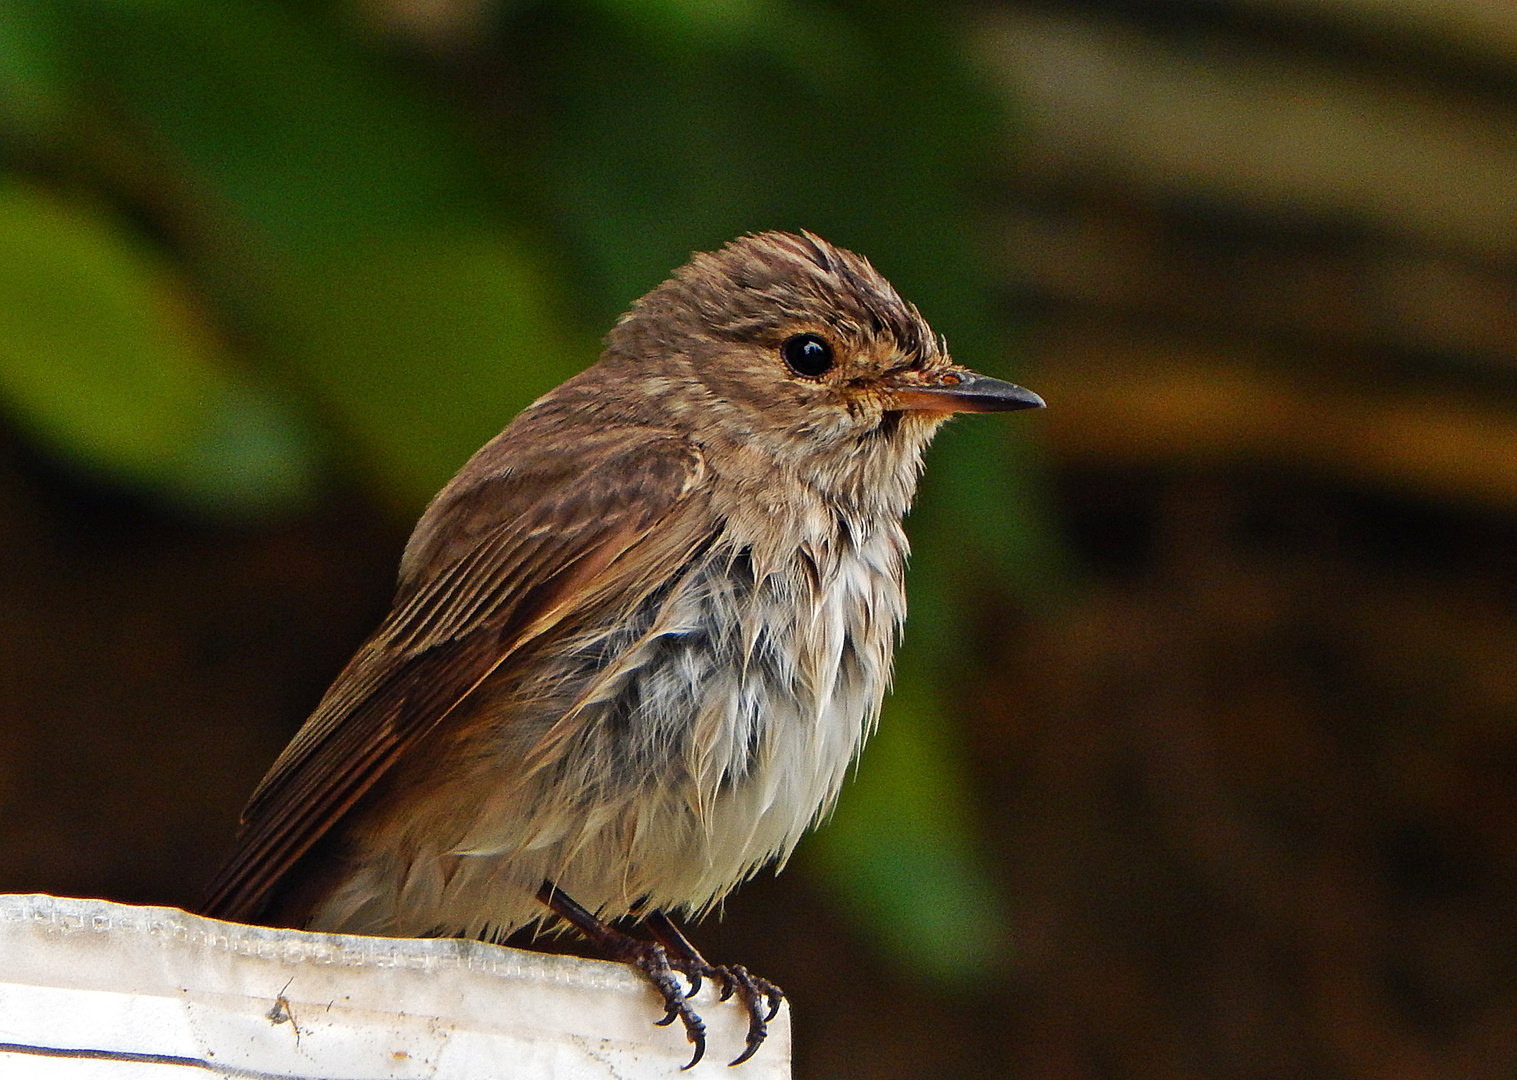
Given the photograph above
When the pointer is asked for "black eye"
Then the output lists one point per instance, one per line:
(808, 355)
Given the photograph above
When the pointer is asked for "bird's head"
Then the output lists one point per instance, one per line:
(786, 344)
(795, 334)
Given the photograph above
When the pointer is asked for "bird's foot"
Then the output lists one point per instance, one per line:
(759, 996)
(646, 956)
(653, 961)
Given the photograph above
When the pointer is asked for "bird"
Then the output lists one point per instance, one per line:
(638, 639)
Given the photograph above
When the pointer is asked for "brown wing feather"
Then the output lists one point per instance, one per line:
(566, 536)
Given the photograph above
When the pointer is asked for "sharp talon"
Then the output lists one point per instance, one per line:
(700, 1050)
(653, 961)
(749, 1050)
(761, 999)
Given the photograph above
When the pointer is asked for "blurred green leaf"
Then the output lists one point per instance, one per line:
(902, 848)
(981, 530)
(102, 357)
(382, 269)
(35, 88)
(425, 349)
(315, 147)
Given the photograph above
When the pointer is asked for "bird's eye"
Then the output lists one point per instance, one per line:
(808, 355)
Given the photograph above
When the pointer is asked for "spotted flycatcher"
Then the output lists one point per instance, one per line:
(638, 639)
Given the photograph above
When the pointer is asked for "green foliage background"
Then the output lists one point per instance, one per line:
(247, 246)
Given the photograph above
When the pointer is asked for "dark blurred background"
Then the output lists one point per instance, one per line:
(1203, 760)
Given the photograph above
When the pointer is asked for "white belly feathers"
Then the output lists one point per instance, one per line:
(777, 672)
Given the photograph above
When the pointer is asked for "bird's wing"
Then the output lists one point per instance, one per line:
(521, 554)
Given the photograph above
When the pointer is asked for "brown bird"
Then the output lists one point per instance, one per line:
(637, 640)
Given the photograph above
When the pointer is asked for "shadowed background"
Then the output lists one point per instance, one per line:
(1203, 759)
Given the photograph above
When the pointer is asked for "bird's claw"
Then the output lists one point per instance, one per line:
(759, 996)
(776, 999)
(653, 962)
(762, 1000)
(663, 963)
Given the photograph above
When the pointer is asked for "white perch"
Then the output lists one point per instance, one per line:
(94, 989)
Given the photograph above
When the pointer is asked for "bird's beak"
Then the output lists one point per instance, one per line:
(963, 391)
